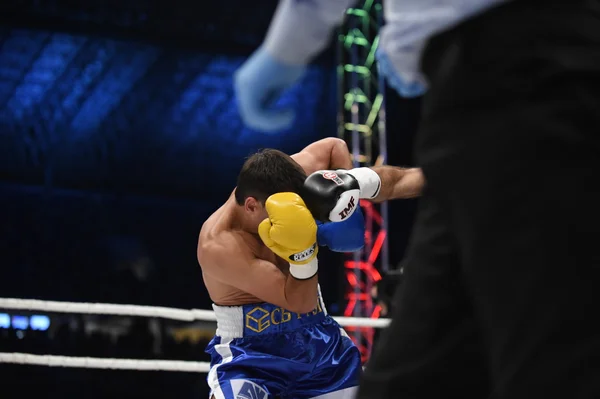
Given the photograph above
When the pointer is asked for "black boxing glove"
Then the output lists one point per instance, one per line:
(332, 196)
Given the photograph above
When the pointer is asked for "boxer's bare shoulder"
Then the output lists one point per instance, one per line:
(230, 259)
(218, 242)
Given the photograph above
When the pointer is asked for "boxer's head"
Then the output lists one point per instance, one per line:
(265, 173)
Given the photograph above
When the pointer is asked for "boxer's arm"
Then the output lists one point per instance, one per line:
(229, 262)
(301, 29)
(399, 183)
(329, 153)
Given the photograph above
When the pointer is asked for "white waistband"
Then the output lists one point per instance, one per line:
(230, 319)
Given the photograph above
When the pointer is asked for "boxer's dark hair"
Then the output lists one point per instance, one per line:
(268, 172)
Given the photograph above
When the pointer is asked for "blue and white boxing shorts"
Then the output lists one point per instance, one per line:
(262, 351)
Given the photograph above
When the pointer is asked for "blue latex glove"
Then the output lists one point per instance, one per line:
(258, 84)
(387, 69)
(346, 236)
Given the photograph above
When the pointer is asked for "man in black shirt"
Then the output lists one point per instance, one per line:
(502, 279)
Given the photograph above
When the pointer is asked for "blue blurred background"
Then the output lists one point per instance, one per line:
(119, 135)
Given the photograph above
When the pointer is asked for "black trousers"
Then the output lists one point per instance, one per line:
(501, 290)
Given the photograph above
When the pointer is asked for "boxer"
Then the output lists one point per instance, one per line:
(258, 254)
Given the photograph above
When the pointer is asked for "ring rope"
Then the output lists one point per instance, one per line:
(104, 363)
(150, 311)
(130, 310)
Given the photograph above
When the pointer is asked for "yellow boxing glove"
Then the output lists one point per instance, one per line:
(290, 232)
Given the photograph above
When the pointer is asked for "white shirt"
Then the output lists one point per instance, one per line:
(301, 29)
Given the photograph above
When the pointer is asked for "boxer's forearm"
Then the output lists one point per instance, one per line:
(340, 156)
(399, 183)
(329, 153)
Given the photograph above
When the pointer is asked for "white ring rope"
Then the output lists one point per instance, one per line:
(150, 311)
(130, 310)
(104, 363)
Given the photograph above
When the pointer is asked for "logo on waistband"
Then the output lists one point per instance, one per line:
(258, 319)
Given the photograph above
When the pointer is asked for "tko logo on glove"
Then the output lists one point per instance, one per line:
(333, 177)
(304, 255)
(348, 209)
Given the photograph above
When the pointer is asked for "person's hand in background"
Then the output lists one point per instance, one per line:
(383, 292)
(299, 32)
(258, 84)
(382, 304)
